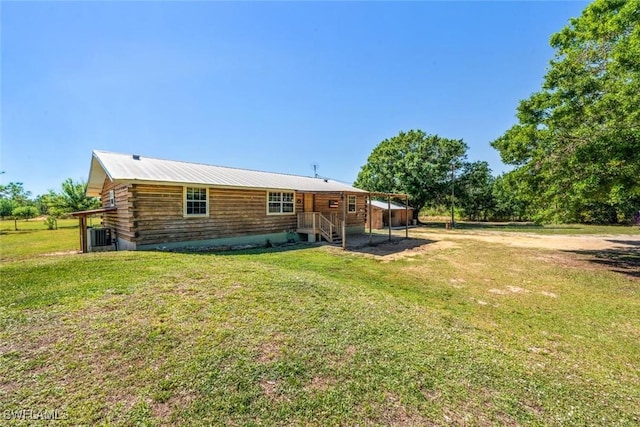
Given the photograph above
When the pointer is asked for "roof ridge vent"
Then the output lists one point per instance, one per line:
(136, 157)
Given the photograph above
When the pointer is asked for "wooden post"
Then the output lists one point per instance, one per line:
(453, 181)
(370, 221)
(344, 221)
(313, 221)
(83, 234)
(389, 215)
(406, 217)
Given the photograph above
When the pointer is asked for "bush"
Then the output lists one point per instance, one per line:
(51, 222)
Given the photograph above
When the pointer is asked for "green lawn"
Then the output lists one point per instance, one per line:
(476, 334)
(8, 225)
(33, 238)
(569, 229)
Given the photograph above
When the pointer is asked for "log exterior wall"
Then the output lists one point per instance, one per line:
(354, 219)
(159, 215)
(154, 214)
(120, 220)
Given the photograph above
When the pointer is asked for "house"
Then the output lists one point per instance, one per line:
(401, 215)
(150, 203)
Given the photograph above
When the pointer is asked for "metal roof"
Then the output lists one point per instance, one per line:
(385, 206)
(133, 168)
(94, 211)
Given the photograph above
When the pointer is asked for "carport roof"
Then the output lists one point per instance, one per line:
(383, 205)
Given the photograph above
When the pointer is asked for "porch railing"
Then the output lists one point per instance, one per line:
(307, 220)
(315, 222)
(326, 228)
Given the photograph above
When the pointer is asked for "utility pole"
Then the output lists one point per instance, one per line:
(453, 221)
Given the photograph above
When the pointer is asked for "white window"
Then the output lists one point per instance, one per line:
(112, 198)
(196, 201)
(280, 202)
(352, 204)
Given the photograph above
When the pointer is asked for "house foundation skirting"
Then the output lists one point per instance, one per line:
(227, 242)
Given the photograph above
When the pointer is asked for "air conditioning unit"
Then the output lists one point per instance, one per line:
(99, 237)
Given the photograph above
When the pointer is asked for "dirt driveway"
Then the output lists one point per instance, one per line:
(541, 241)
(613, 251)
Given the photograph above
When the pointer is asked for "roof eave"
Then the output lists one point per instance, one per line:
(97, 174)
(241, 187)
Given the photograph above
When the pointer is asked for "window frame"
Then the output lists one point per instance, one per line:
(355, 203)
(281, 202)
(185, 201)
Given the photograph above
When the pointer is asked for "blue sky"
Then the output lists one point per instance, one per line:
(274, 86)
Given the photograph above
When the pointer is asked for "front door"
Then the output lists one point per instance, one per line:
(308, 202)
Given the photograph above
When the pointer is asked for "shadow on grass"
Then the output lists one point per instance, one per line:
(379, 245)
(628, 242)
(35, 230)
(384, 247)
(625, 260)
(8, 232)
(226, 251)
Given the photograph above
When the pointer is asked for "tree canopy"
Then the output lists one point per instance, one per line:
(25, 212)
(576, 146)
(16, 202)
(413, 163)
(15, 192)
(474, 191)
(72, 198)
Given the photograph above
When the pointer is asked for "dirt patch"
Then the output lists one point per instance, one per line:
(392, 412)
(164, 410)
(585, 252)
(350, 351)
(517, 290)
(270, 389)
(541, 241)
(320, 384)
(62, 253)
(271, 350)
(565, 260)
(406, 248)
(457, 283)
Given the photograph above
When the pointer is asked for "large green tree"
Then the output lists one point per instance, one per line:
(474, 191)
(14, 199)
(511, 198)
(15, 192)
(25, 212)
(72, 198)
(413, 163)
(576, 146)
(6, 207)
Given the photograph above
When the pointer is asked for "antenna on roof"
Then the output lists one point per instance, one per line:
(315, 170)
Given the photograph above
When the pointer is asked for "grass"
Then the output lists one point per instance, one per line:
(33, 238)
(475, 334)
(37, 224)
(563, 229)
